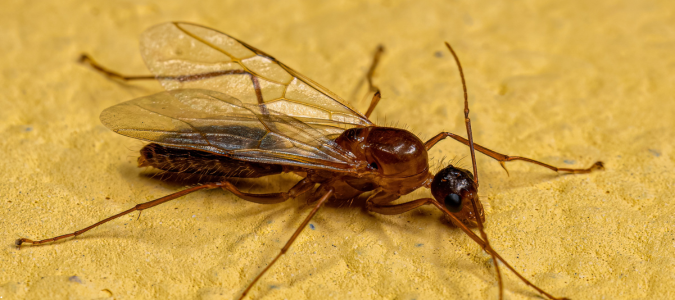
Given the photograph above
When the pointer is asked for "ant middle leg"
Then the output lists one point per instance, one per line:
(502, 158)
(322, 200)
(369, 79)
(298, 189)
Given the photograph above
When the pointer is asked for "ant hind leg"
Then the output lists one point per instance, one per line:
(86, 59)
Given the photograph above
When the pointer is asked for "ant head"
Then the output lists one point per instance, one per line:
(454, 188)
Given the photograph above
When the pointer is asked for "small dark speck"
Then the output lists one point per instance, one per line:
(274, 287)
(419, 245)
(438, 54)
(655, 153)
(311, 226)
(74, 279)
(28, 129)
(333, 245)
(569, 161)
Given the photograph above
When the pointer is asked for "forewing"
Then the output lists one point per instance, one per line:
(210, 121)
(184, 55)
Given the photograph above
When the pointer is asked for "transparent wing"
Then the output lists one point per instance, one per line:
(218, 123)
(189, 56)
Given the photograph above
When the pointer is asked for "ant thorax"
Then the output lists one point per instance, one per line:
(396, 160)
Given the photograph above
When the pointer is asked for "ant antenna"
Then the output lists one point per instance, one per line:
(467, 121)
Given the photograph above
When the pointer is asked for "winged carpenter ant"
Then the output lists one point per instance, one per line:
(233, 111)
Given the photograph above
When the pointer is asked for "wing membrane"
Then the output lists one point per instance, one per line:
(189, 56)
(218, 123)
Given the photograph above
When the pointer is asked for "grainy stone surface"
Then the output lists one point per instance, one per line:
(566, 82)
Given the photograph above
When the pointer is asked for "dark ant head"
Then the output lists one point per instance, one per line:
(454, 188)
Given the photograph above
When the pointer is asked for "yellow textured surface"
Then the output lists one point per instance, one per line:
(567, 82)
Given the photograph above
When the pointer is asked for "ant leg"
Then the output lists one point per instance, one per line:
(298, 189)
(373, 65)
(138, 207)
(377, 203)
(301, 187)
(373, 103)
(297, 232)
(501, 158)
(408, 206)
(397, 209)
(369, 79)
(486, 246)
(86, 59)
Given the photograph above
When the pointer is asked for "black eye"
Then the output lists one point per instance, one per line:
(453, 202)
(373, 165)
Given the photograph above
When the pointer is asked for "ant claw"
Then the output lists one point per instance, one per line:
(598, 165)
(83, 58)
(505, 169)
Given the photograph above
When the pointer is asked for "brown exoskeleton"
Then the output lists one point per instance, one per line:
(232, 111)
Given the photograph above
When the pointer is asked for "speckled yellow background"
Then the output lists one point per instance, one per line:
(567, 82)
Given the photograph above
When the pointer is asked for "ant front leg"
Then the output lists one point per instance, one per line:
(488, 248)
(377, 203)
(501, 158)
(397, 209)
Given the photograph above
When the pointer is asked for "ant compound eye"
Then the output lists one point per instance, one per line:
(373, 165)
(453, 202)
